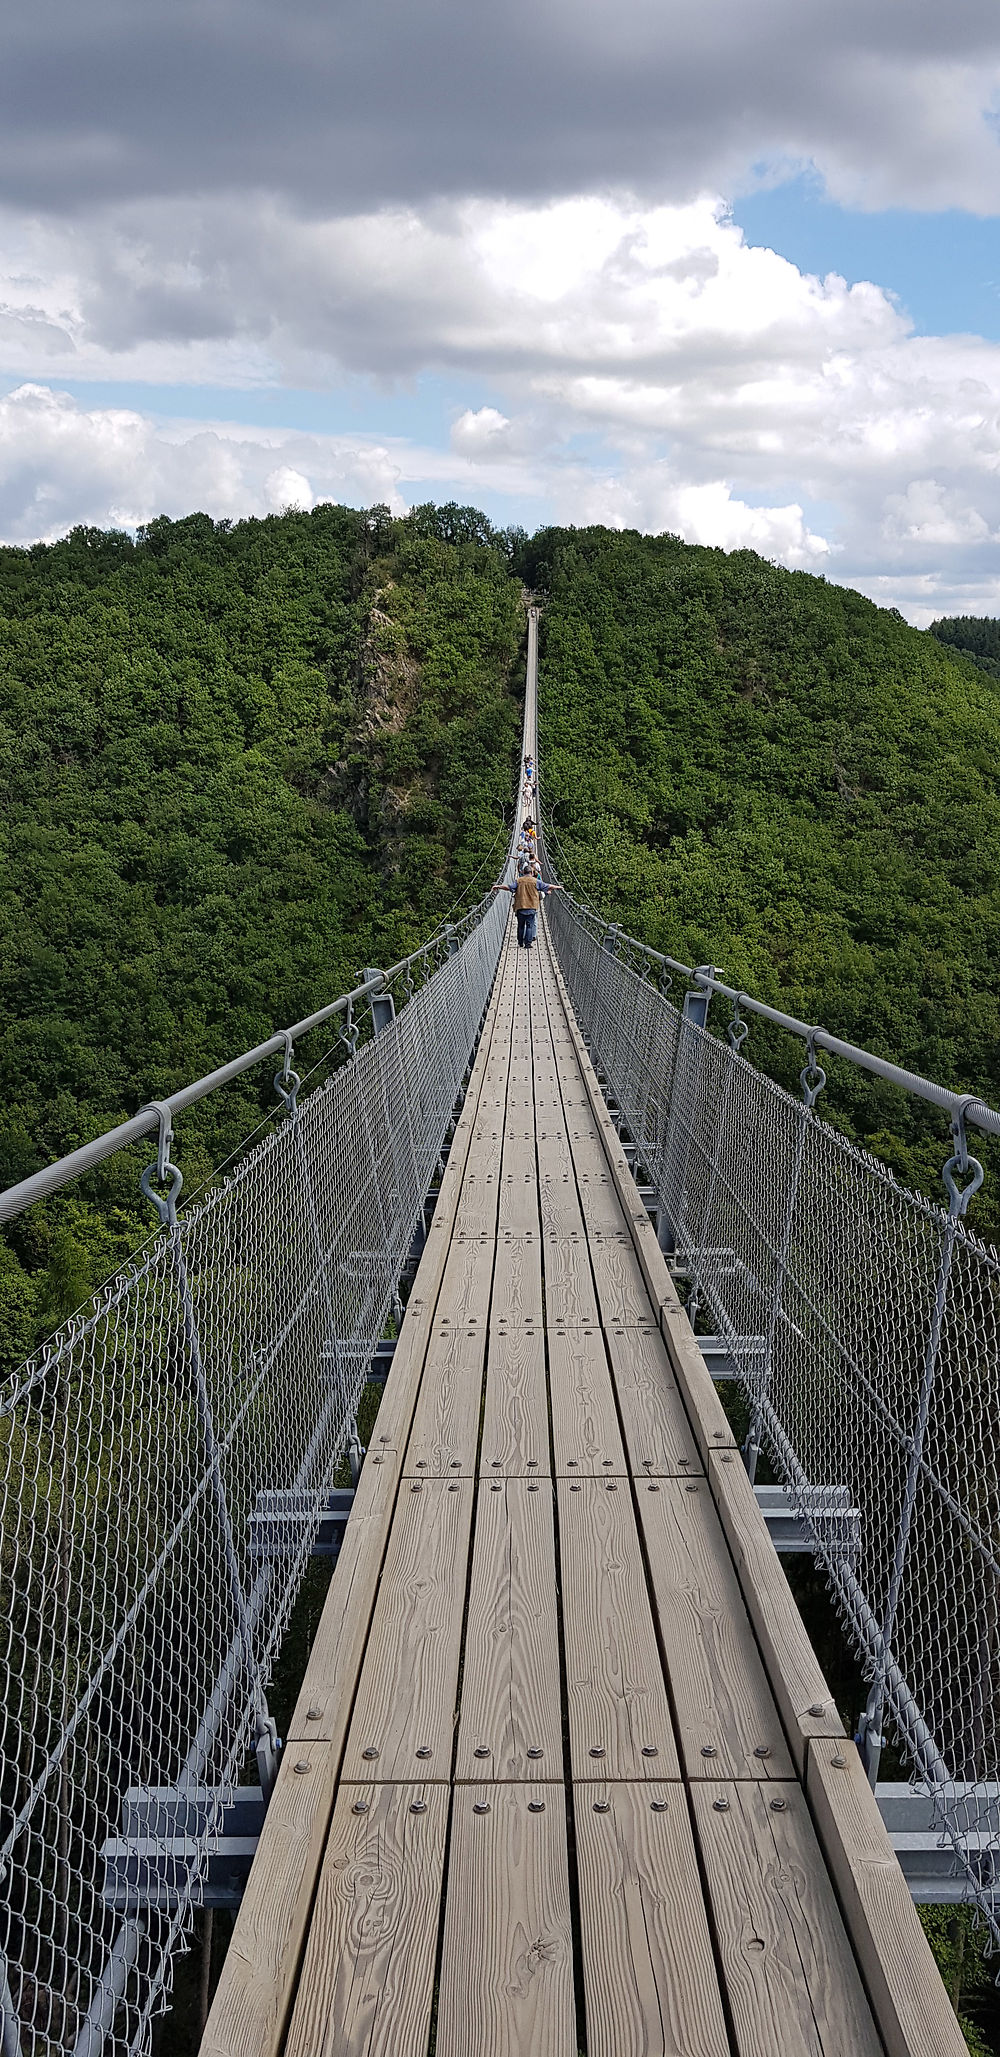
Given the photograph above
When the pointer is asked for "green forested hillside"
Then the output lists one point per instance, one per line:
(238, 764)
(753, 767)
(977, 636)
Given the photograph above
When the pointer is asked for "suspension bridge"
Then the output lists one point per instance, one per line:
(564, 1773)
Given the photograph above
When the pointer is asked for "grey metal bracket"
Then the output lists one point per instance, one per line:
(383, 1005)
(831, 1510)
(722, 1358)
(925, 1854)
(148, 1865)
(683, 1267)
(355, 1450)
(381, 1363)
(280, 1521)
(694, 1007)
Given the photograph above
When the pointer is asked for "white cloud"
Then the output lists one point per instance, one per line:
(650, 499)
(480, 429)
(287, 488)
(652, 369)
(61, 463)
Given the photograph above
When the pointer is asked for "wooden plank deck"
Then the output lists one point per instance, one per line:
(549, 1788)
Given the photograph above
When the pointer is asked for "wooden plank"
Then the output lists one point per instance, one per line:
(558, 1204)
(790, 1978)
(511, 1721)
(702, 1404)
(468, 1278)
(548, 1099)
(403, 1722)
(658, 1435)
(585, 1432)
(507, 1964)
(650, 1982)
(553, 1140)
(516, 1419)
(367, 1981)
(727, 1722)
(708, 1418)
(480, 1192)
(446, 1423)
(619, 1715)
(570, 1298)
(598, 1198)
(517, 1283)
(324, 1701)
(251, 2005)
(621, 1288)
(481, 1184)
(805, 1702)
(909, 2001)
(519, 1200)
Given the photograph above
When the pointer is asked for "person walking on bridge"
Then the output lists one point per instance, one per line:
(528, 891)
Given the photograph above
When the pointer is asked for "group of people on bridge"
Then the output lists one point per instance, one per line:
(528, 887)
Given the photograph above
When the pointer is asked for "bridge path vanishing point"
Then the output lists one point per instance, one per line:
(564, 1773)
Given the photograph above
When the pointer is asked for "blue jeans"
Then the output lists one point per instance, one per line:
(526, 918)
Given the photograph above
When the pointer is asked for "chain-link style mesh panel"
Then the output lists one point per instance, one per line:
(864, 1324)
(146, 1579)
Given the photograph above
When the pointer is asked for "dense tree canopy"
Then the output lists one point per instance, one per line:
(239, 763)
(242, 761)
(976, 634)
(751, 767)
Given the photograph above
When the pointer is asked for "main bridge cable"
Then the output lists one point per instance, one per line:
(110, 1982)
(480, 868)
(16, 1198)
(150, 1119)
(960, 1107)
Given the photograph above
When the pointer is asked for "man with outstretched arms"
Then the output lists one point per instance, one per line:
(527, 890)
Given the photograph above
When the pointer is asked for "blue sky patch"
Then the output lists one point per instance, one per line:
(943, 268)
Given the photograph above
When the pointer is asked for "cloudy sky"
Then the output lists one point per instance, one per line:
(728, 267)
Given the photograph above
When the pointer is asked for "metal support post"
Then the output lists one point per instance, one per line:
(355, 1450)
(736, 1034)
(99, 2019)
(870, 1738)
(10, 2035)
(166, 1174)
(382, 1004)
(696, 999)
(676, 1147)
(812, 1079)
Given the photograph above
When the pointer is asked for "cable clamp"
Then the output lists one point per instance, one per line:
(164, 1172)
(960, 1164)
(737, 1030)
(812, 1077)
(287, 1081)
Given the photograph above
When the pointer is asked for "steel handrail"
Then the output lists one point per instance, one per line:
(961, 1106)
(16, 1198)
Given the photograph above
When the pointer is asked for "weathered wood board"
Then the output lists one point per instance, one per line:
(507, 1962)
(510, 1725)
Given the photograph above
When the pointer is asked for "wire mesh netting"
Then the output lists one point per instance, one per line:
(167, 1458)
(863, 1322)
